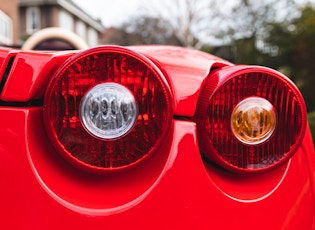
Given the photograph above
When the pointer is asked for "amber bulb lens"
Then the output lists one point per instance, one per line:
(253, 120)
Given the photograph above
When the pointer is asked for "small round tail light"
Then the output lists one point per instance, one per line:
(108, 108)
(249, 119)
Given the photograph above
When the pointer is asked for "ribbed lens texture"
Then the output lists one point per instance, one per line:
(289, 120)
(149, 90)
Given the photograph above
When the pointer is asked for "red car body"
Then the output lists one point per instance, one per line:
(178, 186)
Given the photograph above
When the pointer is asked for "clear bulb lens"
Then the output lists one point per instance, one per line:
(108, 111)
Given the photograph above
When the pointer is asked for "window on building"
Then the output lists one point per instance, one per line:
(32, 19)
(5, 29)
(81, 29)
(92, 37)
(66, 20)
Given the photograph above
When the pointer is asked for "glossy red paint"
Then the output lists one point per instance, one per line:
(30, 74)
(186, 69)
(3, 55)
(173, 189)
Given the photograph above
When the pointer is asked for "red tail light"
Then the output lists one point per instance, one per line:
(107, 108)
(249, 118)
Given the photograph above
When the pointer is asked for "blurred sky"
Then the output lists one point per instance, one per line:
(111, 12)
(115, 12)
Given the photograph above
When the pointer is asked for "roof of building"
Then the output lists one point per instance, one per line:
(69, 6)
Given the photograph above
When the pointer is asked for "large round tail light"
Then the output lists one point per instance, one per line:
(249, 118)
(108, 108)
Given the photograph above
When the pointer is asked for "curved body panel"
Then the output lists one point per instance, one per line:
(175, 188)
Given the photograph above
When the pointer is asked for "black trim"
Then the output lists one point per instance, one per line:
(181, 118)
(22, 104)
(6, 73)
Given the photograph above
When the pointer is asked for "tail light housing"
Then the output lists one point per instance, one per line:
(249, 119)
(107, 108)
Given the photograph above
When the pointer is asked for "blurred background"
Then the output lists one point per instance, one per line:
(276, 33)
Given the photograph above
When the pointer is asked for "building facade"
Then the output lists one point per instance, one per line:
(22, 18)
(9, 19)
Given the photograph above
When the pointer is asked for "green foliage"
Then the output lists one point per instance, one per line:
(295, 46)
(311, 120)
(246, 52)
(288, 46)
(225, 52)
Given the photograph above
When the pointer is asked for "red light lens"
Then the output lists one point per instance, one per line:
(122, 69)
(218, 100)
